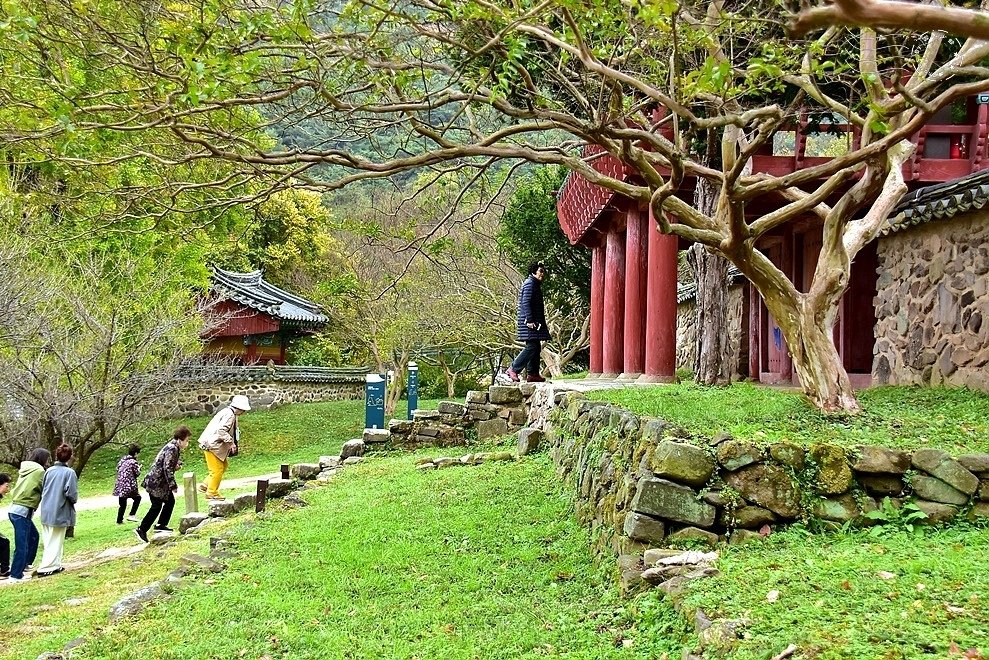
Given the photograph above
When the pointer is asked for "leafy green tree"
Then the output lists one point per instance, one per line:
(530, 232)
(471, 83)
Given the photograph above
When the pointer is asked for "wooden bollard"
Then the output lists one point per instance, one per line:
(262, 495)
(284, 470)
(191, 494)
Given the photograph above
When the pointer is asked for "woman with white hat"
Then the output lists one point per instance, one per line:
(219, 440)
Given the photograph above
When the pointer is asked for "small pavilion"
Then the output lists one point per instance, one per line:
(257, 318)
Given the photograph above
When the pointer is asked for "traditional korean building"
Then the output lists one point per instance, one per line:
(258, 319)
(634, 269)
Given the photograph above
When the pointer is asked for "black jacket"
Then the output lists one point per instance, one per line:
(532, 310)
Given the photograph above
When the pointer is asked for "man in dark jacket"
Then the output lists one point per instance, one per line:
(531, 326)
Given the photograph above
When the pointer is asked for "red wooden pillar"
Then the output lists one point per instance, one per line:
(598, 256)
(636, 258)
(661, 307)
(614, 303)
(754, 330)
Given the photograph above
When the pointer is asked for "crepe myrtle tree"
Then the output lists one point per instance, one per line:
(462, 84)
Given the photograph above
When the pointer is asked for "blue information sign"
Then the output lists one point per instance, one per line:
(374, 402)
(413, 387)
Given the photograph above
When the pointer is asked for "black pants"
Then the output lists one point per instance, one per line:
(528, 359)
(123, 505)
(4, 554)
(164, 506)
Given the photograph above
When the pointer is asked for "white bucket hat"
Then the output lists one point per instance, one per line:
(240, 402)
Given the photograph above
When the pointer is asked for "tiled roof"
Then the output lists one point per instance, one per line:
(940, 201)
(688, 291)
(251, 290)
(206, 373)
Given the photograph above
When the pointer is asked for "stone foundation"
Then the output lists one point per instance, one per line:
(932, 305)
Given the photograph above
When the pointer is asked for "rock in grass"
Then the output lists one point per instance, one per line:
(376, 436)
(937, 513)
(350, 448)
(694, 534)
(931, 488)
(768, 486)
(305, 471)
(198, 562)
(834, 476)
(939, 464)
(501, 394)
(329, 462)
(736, 454)
(880, 460)
(664, 499)
(245, 501)
(223, 509)
(682, 462)
(974, 462)
(529, 440)
(641, 527)
(279, 487)
(353, 460)
(133, 603)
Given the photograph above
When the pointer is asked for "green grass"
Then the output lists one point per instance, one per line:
(298, 433)
(834, 604)
(905, 417)
(390, 562)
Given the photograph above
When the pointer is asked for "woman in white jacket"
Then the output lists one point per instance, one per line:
(219, 440)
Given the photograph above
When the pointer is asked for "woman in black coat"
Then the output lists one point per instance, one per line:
(531, 326)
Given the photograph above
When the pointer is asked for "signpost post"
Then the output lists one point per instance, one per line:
(374, 402)
(413, 387)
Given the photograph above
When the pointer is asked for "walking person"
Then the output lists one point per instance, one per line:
(25, 499)
(532, 330)
(160, 484)
(125, 488)
(4, 541)
(219, 441)
(59, 493)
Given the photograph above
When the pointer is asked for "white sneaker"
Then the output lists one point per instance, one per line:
(133, 519)
(27, 576)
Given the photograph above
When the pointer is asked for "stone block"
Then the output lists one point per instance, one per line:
(451, 408)
(768, 486)
(644, 528)
(682, 462)
(664, 499)
(420, 415)
(736, 454)
(279, 487)
(651, 556)
(200, 563)
(834, 475)
(350, 448)
(931, 488)
(517, 416)
(529, 440)
(477, 396)
(749, 517)
(527, 389)
(353, 460)
(480, 415)
(245, 501)
(133, 603)
(502, 394)
(693, 534)
(880, 460)
(223, 509)
(429, 431)
(974, 462)
(400, 426)
(839, 509)
(882, 484)
(328, 462)
(937, 513)
(789, 454)
(190, 521)
(426, 466)
(305, 471)
(491, 428)
(939, 464)
(983, 492)
(501, 456)
(979, 512)
(376, 436)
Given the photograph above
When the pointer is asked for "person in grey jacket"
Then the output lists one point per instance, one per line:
(59, 493)
(532, 328)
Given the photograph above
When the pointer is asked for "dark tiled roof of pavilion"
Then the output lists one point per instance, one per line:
(940, 201)
(250, 290)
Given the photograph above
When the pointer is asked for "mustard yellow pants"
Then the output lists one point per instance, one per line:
(216, 469)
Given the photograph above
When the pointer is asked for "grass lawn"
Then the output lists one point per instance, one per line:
(298, 433)
(853, 595)
(386, 562)
(956, 420)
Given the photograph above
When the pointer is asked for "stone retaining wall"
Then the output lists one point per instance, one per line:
(932, 305)
(641, 482)
(203, 390)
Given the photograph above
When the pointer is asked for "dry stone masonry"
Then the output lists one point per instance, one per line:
(641, 482)
(932, 305)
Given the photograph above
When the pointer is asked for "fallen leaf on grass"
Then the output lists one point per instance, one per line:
(773, 596)
(953, 609)
(765, 530)
(846, 585)
(886, 575)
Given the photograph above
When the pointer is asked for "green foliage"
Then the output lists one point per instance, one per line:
(530, 232)
(902, 417)
(889, 518)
